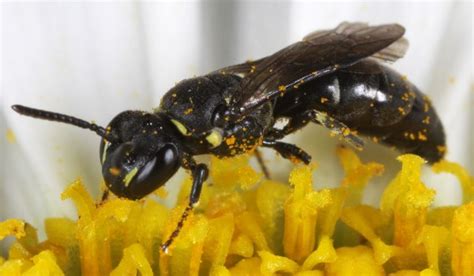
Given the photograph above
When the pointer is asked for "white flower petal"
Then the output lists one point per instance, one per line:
(94, 60)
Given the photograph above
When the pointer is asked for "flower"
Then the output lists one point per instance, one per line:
(248, 226)
(131, 56)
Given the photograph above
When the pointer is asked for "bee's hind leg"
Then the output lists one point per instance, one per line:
(300, 120)
(336, 127)
(288, 151)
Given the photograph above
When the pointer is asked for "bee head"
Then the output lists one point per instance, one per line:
(143, 156)
(139, 151)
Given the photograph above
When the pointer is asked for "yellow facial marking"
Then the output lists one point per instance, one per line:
(214, 138)
(130, 176)
(181, 128)
(104, 154)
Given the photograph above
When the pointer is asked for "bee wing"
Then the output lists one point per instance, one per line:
(241, 70)
(319, 53)
(393, 52)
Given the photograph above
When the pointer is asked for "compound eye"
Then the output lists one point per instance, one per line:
(134, 177)
(155, 172)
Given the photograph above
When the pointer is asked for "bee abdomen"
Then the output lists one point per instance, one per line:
(419, 132)
(378, 103)
(396, 113)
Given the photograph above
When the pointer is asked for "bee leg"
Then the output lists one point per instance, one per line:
(258, 155)
(296, 122)
(199, 173)
(301, 120)
(105, 195)
(288, 151)
(337, 128)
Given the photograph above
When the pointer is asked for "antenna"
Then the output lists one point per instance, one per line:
(57, 117)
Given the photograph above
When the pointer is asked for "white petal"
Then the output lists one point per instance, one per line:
(94, 60)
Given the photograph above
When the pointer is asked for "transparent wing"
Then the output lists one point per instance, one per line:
(242, 70)
(319, 53)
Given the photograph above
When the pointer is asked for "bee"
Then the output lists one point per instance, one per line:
(335, 78)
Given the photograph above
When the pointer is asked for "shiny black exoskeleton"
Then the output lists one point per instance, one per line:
(333, 78)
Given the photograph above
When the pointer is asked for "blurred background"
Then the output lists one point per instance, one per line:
(94, 60)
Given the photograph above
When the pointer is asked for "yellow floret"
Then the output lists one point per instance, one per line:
(301, 211)
(13, 227)
(241, 246)
(354, 261)
(184, 255)
(325, 253)
(247, 223)
(133, 261)
(235, 172)
(467, 182)
(407, 199)
(366, 220)
(463, 240)
(272, 264)
(247, 226)
(44, 264)
(357, 174)
(434, 239)
(270, 199)
(247, 267)
(218, 240)
(14, 267)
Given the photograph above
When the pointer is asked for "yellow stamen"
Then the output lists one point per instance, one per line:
(242, 226)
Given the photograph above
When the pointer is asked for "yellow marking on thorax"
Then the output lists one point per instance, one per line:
(214, 138)
(181, 128)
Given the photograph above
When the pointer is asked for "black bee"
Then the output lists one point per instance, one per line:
(332, 78)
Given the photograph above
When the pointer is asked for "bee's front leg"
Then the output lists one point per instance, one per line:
(199, 173)
(288, 151)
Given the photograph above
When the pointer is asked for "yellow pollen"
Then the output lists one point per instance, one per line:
(426, 107)
(253, 68)
(421, 136)
(10, 136)
(114, 171)
(441, 149)
(401, 110)
(230, 141)
(426, 120)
